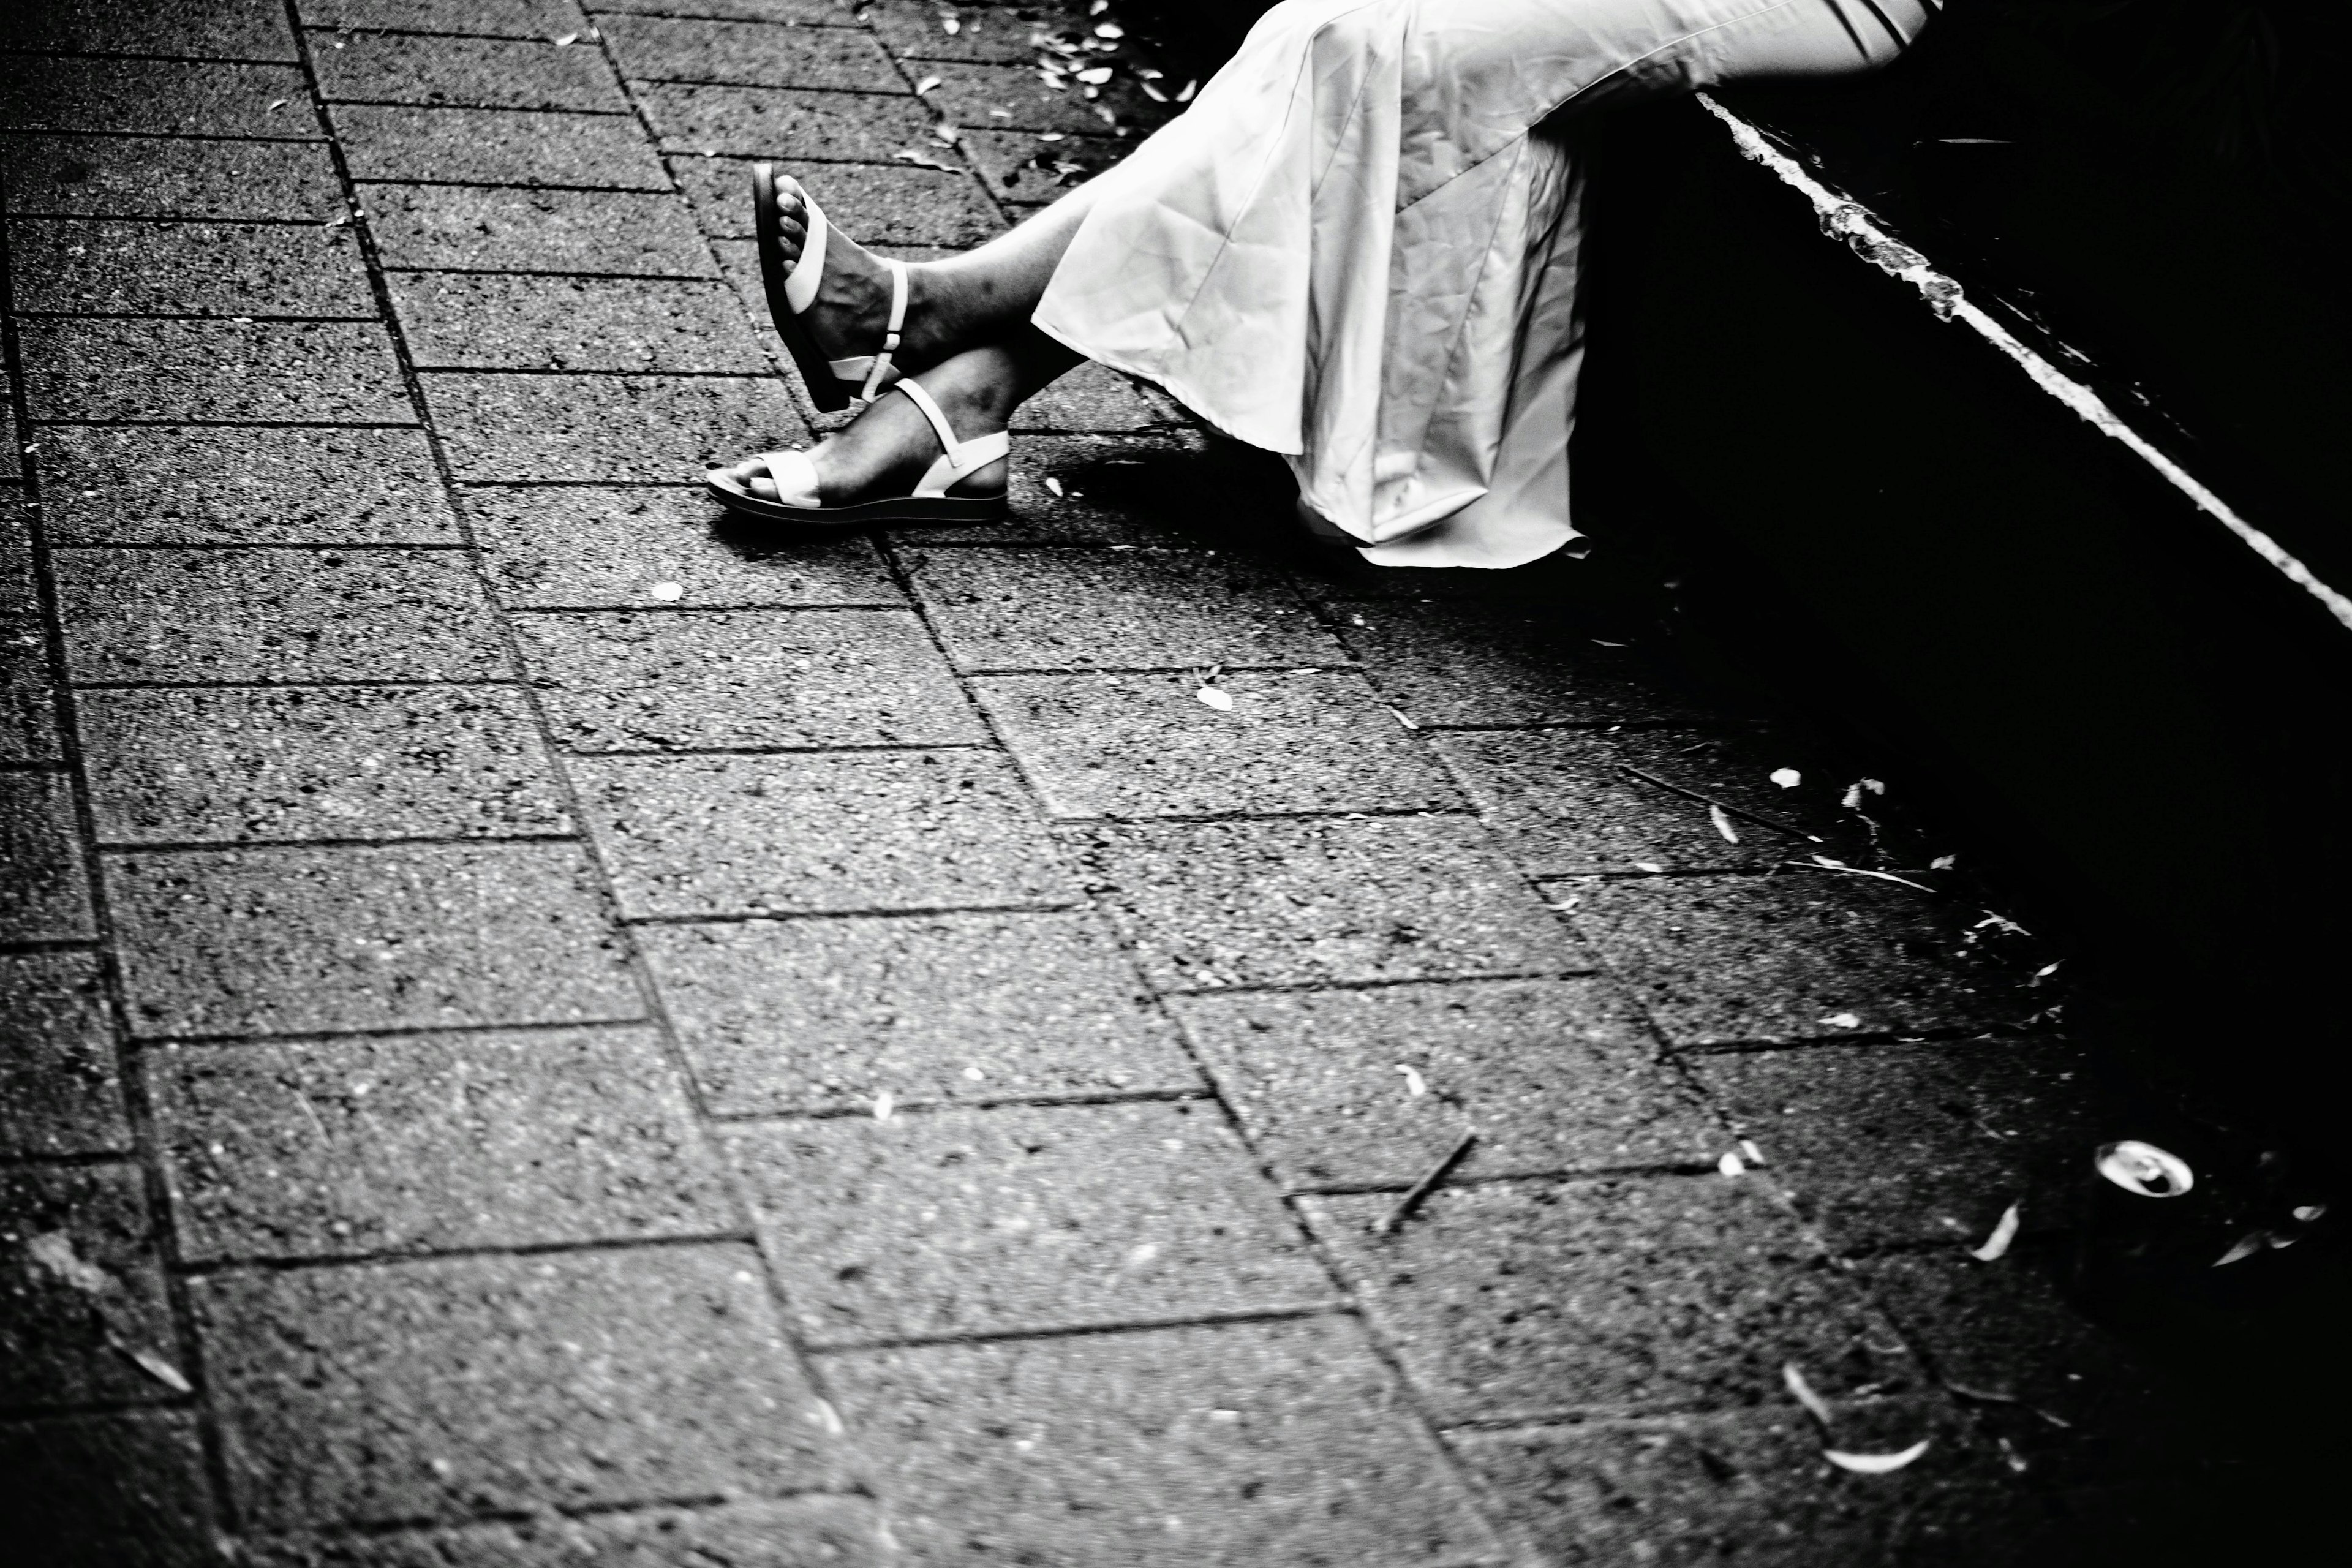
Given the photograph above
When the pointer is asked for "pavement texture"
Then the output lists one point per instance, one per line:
(543, 1028)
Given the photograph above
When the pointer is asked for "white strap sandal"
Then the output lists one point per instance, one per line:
(792, 288)
(932, 501)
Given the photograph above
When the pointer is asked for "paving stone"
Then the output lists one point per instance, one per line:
(1553, 1076)
(430, 1142)
(1899, 1143)
(497, 147)
(117, 1490)
(1152, 489)
(881, 205)
(1072, 609)
(192, 30)
(489, 228)
(797, 1532)
(1282, 902)
(2005, 1330)
(1518, 1300)
(985, 33)
(44, 888)
(437, 1390)
(173, 97)
(788, 12)
(1019, 1220)
(581, 547)
(745, 679)
(482, 73)
(12, 444)
(29, 711)
(295, 940)
(243, 485)
(1023, 167)
(1447, 665)
(1145, 745)
(968, 94)
(229, 616)
(229, 764)
(323, 372)
(457, 321)
(58, 1090)
(1745, 1487)
(1718, 959)
(1094, 397)
(786, 122)
(606, 428)
(749, 54)
(1564, 803)
(491, 18)
(96, 266)
(1245, 1443)
(80, 1287)
(143, 176)
(859, 831)
(781, 1016)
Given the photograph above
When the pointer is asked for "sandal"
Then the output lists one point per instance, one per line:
(794, 477)
(792, 288)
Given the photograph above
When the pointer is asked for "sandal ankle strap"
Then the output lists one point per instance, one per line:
(957, 459)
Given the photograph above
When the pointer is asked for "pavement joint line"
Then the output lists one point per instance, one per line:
(750, 1118)
(54, 130)
(170, 220)
(885, 747)
(171, 1042)
(86, 1160)
(655, 1503)
(83, 1409)
(185, 1346)
(1105, 1329)
(33, 945)
(265, 1263)
(440, 840)
(1563, 1176)
(1277, 988)
(1317, 814)
(286, 685)
(9, 50)
(254, 320)
(657, 612)
(1030, 906)
(768, 86)
(234, 546)
(1082, 670)
(655, 278)
(602, 373)
(1865, 1040)
(470, 108)
(33, 427)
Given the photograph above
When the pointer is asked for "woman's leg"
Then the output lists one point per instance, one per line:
(954, 304)
(885, 449)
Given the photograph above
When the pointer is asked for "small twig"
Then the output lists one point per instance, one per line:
(1743, 814)
(1818, 864)
(1994, 1396)
(1422, 1188)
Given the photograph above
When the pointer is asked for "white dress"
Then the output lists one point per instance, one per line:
(1360, 246)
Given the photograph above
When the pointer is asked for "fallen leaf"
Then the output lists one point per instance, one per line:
(926, 84)
(1755, 1155)
(1875, 1464)
(950, 26)
(1050, 136)
(1184, 95)
(566, 41)
(1052, 484)
(2307, 1213)
(1996, 1245)
(1826, 864)
(1842, 1020)
(54, 1251)
(1722, 823)
(1730, 1167)
(1152, 92)
(1414, 1084)
(1403, 719)
(1787, 778)
(1815, 1405)
(156, 1367)
(668, 593)
(882, 1106)
(1222, 700)
(1095, 76)
(2144, 1169)
(1109, 30)
(2245, 1245)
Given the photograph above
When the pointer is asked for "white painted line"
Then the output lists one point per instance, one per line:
(1849, 220)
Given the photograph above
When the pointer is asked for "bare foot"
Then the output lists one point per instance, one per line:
(852, 308)
(886, 449)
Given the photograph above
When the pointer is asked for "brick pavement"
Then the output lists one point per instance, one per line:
(543, 1029)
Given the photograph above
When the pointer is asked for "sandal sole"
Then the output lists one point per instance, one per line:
(930, 510)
